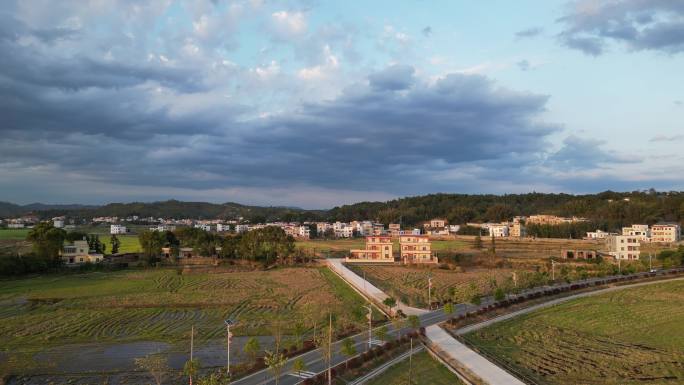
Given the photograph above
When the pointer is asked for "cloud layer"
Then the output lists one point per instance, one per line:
(658, 25)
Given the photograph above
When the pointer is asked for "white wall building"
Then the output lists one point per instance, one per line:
(58, 222)
(498, 230)
(304, 232)
(117, 229)
(241, 228)
(625, 247)
(640, 231)
(599, 234)
(220, 227)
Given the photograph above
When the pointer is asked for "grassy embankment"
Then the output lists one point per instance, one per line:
(631, 336)
(425, 371)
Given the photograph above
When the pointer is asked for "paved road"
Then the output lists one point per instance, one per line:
(315, 363)
(367, 288)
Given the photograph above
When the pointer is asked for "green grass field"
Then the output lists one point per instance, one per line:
(631, 336)
(127, 243)
(424, 371)
(14, 234)
(161, 305)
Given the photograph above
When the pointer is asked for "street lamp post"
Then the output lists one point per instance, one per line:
(228, 323)
(370, 325)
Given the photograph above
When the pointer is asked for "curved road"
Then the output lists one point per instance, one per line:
(314, 361)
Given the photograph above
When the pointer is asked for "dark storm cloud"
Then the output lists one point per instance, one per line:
(580, 153)
(639, 24)
(396, 77)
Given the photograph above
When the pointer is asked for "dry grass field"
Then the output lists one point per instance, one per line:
(409, 284)
(631, 336)
(162, 305)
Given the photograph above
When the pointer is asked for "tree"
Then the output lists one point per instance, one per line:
(213, 379)
(155, 364)
(47, 240)
(478, 242)
(191, 368)
(298, 331)
(252, 348)
(448, 308)
(266, 245)
(390, 302)
(299, 365)
(451, 291)
(499, 294)
(414, 321)
(95, 244)
(381, 333)
(114, 240)
(275, 361)
(151, 243)
(348, 349)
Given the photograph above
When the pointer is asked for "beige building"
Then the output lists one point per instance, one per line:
(640, 231)
(545, 219)
(416, 249)
(378, 249)
(78, 253)
(665, 233)
(435, 223)
(517, 230)
(394, 229)
(498, 230)
(626, 247)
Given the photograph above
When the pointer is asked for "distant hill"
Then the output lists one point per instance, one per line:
(166, 209)
(608, 210)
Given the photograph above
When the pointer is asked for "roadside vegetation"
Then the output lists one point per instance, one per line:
(631, 336)
(424, 371)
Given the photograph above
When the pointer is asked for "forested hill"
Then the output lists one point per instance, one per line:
(609, 209)
(194, 210)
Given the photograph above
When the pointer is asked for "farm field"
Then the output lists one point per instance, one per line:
(631, 336)
(344, 245)
(127, 243)
(13, 234)
(425, 371)
(409, 284)
(161, 306)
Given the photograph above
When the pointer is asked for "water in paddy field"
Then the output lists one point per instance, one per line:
(114, 363)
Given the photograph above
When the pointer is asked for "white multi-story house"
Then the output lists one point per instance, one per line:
(666, 233)
(626, 247)
(241, 228)
(78, 253)
(304, 232)
(345, 232)
(498, 230)
(322, 227)
(203, 226)
(58, 222)
(640, 231)
(220, 227)
(117, 229)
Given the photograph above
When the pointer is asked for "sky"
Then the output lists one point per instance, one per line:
(319, 103)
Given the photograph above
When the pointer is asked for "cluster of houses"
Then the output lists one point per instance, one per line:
(413, 249)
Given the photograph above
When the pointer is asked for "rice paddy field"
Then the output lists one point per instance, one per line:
(424, 371)
(409, 284)
(161, 306)
(323, 247)
(630, 336)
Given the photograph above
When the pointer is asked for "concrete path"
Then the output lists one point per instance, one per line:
(468, 359)
(367, 288)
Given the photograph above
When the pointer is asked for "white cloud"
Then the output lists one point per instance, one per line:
(287, 25)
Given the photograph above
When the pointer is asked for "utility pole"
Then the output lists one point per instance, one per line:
(553, 270)
(650, 264)
(229, 337)
(330, 351)
(429, 293)
(370, 324)
(192, 347)
(619, 265)
(515, 279)
(410, 361)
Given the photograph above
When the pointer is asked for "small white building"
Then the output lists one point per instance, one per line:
(15, 225)
(79, 253)
(117, 229)
(304, 232)
(599, 234)
(203, 226)
(498, 230)
(58, 222)
(163, 228)
(241, 228)
(220, 227)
